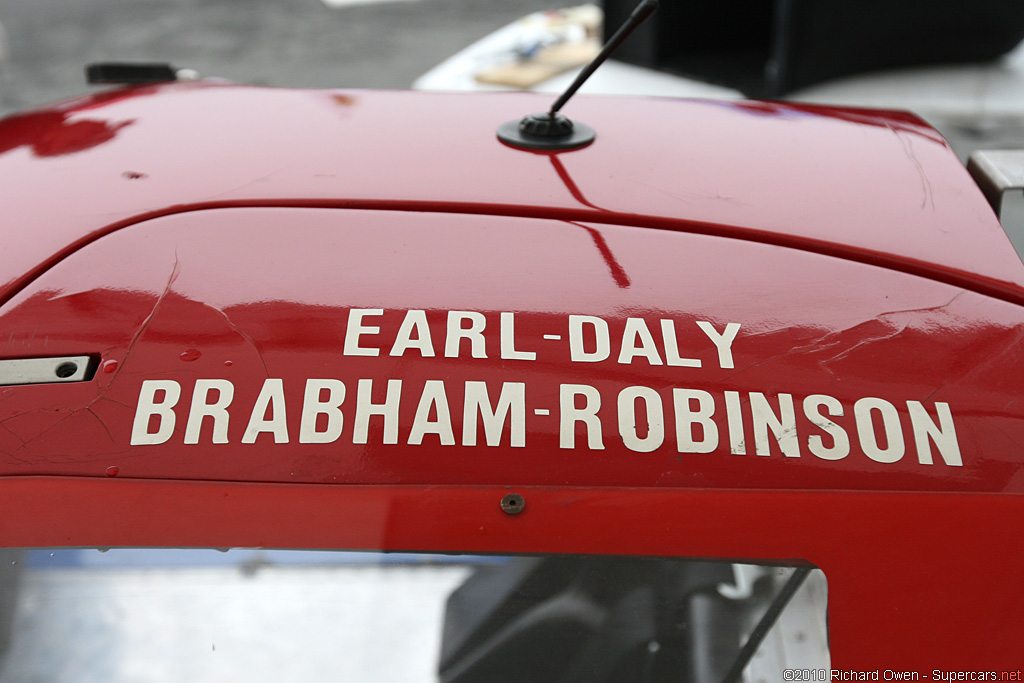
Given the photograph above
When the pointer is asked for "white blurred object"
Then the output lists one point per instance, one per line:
(799, 639)
(965, 92)
(978, 93)
(543, 45)
(458, 72)
(297, 623)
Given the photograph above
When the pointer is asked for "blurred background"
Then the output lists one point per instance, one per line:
(141, 615)
(956, 64)
(297, 43)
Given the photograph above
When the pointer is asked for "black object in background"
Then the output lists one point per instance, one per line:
(587, 619)
(767, 48)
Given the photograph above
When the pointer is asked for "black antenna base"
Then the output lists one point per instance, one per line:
(551, 130)
(546, 131)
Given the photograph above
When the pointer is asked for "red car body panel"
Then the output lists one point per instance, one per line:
(802, 325)
(881, 187)
(202, 295)
(915, 581)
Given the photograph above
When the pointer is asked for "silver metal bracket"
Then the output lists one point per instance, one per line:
(44, 370)
(1000, 175)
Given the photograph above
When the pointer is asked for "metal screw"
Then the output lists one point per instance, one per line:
(513, 504)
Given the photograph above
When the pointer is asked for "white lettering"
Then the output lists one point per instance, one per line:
(862, 411)
(723, 341)
(456, 333)
(356, 328)
(148, 406)
(782, 426)
(217, 410)
(511, 401)
(636, 330)
(272, 396)
(569, 415)
(313, 408)
(433, 399)
(840, 441)
(365, 409)
(668, 336)
(602, 345)
(943, 434)
(737, 442)
(655, 417)
(686, 417)
(508, 340)
(414, 321)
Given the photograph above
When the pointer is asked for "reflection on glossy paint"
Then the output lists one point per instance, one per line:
(53, 133)
(70, 127)
(896, 121)
(617, 271)
(570, 185)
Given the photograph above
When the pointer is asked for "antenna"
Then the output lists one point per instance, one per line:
(553, 131)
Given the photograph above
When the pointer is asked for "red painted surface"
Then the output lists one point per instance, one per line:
(915, 581)
(867, 186)
(271, 292)
(193, 234)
